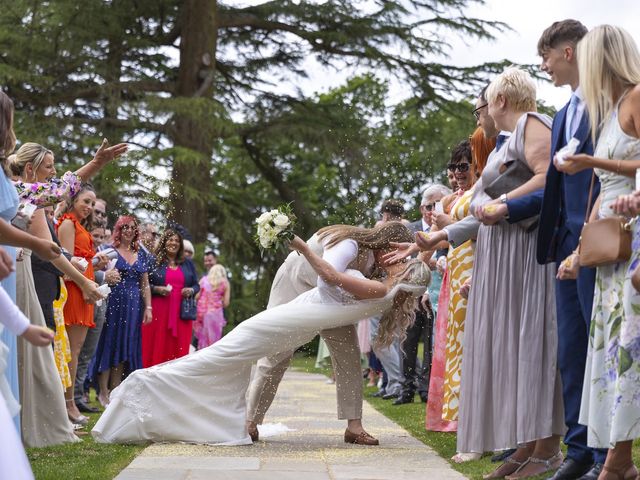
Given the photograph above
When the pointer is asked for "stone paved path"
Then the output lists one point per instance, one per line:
(315, 451)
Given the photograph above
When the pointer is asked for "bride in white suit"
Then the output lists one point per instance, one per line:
(201, 398)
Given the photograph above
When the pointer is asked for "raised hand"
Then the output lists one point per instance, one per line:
(402, 251)
(297, 244)
(106, 153)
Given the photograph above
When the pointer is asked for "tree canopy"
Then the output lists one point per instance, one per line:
(209, 93)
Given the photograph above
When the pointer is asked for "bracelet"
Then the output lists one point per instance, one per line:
(149, 308)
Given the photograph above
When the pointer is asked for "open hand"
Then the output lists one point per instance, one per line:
(573, 163)
(402, 251)
(106, 154)
(429, 241)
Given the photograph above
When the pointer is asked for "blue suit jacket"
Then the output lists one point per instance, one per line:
(563, 201)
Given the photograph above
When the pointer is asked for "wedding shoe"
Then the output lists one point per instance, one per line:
(363, 438)
(254, 434)
(465, 457)
(540, 466)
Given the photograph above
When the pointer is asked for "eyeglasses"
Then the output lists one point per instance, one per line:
(461, 167)
(429, 206)
(476, 111)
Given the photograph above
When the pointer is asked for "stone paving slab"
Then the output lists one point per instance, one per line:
(314, 451)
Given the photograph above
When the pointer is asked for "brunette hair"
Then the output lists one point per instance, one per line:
(7, 135)
(376, 238)
(569, 30)
(481, 147)
(161, 249)
(68, 203)
(116, 237)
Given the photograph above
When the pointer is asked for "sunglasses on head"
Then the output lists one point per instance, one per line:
(461, 167)
(476, 111)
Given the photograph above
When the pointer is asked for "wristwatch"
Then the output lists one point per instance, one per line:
(503, 198)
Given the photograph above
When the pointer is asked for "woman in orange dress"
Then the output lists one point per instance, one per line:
(74, 236)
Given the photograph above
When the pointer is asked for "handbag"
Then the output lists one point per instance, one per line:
(188, 308)
(605, 241)
(515, 174)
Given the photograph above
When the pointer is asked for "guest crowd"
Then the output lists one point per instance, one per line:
(526, 340)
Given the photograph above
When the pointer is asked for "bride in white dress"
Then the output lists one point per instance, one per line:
(201, 398)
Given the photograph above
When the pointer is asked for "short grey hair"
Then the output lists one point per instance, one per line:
(436, 189)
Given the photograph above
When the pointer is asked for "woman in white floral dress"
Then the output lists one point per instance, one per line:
(609, 64)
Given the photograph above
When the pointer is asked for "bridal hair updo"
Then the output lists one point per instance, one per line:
(395, 322)
(376, 238)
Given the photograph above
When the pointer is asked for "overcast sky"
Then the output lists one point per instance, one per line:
(527, 19)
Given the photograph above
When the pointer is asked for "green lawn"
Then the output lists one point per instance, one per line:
(88, 460)
(85, 460)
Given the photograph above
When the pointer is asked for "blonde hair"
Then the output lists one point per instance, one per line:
(517, 87)
(395, 322)
(375, 238)
(30, 152)
(217, 274)
(607, 58)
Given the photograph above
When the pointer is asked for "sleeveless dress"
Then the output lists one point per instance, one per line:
(210, 319)
(121, 338)
(61, 346)
(76, 310)
(433, 416)
(611, 394)
(459, 264)
(201, 398)
(510, 391)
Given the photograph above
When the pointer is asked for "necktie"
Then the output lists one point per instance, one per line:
(500, 139)
(569, 120)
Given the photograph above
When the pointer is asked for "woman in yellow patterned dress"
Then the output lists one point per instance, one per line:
(61, 349)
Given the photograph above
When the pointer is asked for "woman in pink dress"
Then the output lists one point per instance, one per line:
(174, 277)
(213, 298)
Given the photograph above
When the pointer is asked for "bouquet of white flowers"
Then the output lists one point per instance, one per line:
(275, 228)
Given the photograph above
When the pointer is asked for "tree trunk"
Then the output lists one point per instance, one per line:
(191, 179)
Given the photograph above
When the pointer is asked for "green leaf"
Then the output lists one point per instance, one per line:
(625, 360)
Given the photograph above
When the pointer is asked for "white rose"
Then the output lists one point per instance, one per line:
(281, 220)
(264, 218)
(274, 212)
(264, 243)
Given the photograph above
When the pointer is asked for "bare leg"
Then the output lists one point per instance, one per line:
(103, 385)
(546, 456)
(77, 334)
(619, 463)
(116, 375)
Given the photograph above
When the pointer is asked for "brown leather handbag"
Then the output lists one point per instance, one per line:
(605, 241)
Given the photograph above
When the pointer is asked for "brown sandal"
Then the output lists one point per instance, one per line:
(620, 473)
(508, 467)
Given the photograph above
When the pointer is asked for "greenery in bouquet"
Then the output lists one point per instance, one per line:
(275, 228)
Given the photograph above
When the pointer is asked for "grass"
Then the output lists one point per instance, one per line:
(84, 460)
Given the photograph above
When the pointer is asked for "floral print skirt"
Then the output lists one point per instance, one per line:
(611, 393)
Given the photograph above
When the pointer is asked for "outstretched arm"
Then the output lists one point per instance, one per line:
(360, 288)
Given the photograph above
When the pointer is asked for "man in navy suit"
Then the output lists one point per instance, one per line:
(562, 205)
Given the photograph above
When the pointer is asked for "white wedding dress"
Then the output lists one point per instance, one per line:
(200, 398)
